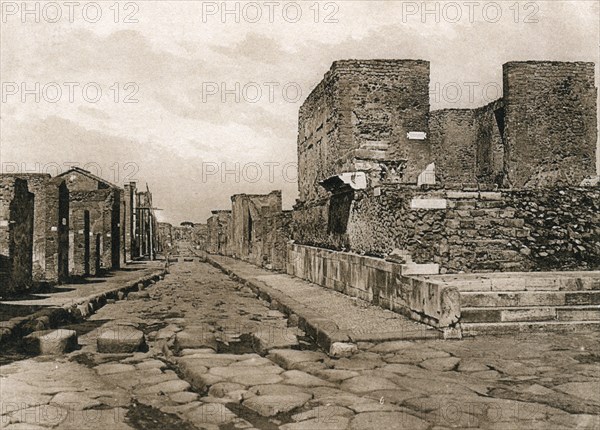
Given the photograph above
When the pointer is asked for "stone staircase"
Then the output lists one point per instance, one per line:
(512, 302)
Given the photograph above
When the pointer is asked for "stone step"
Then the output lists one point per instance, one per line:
(542, 283)
(471, 299)
(531, 314)
(475, 329)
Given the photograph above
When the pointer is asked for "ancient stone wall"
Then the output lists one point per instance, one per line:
(91, 215)
(377, 281)
(16, 235)
(466, 144)
(360, 117)
(551, 126)
(251, 225)
(219, 232)
(512, 230)
(165, 237)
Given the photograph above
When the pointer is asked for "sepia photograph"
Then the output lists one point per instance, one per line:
(299, 215)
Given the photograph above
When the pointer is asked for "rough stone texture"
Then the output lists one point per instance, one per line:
(377, 281)
(512, 230)
(50, 227)
(259, 229)
(219, 232)
(551, 127)
(467, 145)
(358, 117)
(120, 339)
(271, 405)
(94, 223)
(51, 342)
(16, 235)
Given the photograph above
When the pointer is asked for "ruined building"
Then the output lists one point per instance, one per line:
(16, 235)
(50, 227)
(219, 225)
(94, 223)
(490, 189)
(259, 229)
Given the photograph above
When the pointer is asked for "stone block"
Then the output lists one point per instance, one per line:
(51, 342)
(420, 269)
(420, 203)
(342, 349)
(120, 340)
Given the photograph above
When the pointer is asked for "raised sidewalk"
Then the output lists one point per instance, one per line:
(75, 301)
(325, 315)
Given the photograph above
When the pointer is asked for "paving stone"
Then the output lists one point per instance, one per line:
(254, 361)
(303, 379)
(392, 346)
(212, 413)
(584, 390)
(467, 365)
(120, 339)
(51, 342)
(195, 351)
(440, 364)
(203, 361)
(397, 396)
(266, 340)
(150, 364)
(334, 422)
(374, 406)
(487, 375)
(335, 375)
(364, 384)
(166, 387)
(275, 389)
(183, 397)
(231, 371)
(257, 379)
(271, 405)
(401, 369)
(388, 421)
(221, 389)
(110, 368)
(289, 357)
(195, 340)
(415, 355)
(342, 349)
(323, 413)
(351, 364)
(180, 409)
(75, 401)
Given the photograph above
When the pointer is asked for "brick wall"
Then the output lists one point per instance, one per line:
(359, 117)
(466, 144)
(16, 235)
(551, 126)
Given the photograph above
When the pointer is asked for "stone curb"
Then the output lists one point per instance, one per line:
(322, 330)
(76, 310)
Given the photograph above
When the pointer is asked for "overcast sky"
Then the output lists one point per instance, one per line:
(172, 60)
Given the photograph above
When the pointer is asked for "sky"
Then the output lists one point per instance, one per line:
(200, 99)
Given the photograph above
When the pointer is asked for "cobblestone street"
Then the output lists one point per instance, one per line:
(202, 370)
